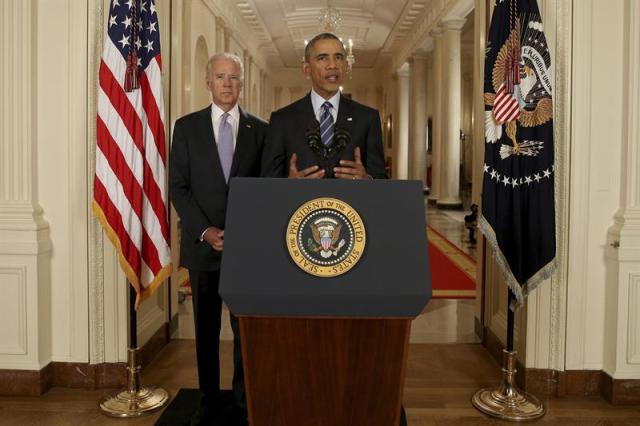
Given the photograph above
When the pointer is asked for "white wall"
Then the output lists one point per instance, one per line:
(63, 138)
(585, 317)
(69, 303)
(595, 180)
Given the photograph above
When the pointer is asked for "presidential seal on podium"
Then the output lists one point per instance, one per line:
(325, 237)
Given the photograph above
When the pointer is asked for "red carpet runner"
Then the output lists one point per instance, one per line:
(453, 272)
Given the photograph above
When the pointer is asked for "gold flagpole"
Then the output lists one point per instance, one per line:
(136, 400)
(508, 402)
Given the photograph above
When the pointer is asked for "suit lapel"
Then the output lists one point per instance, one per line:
(307, 112)
(245, 133)
(209, 145)
(345, 117)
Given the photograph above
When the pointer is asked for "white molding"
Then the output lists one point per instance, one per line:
(115, 292)
(561, 71)
(625, 375)
(480, 37)
(633, 325)
(547, 305)
(579, 185)
(437, 112)
(24, 234)
(460, 10)
(17, 321)
(78, 181)
(401, 125)
(151, 316)
(420, 30)
(454, 24)
(632, 102)
(96, 303)
(622, 326)
(234, 23)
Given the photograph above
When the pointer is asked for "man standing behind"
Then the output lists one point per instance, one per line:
(324, 134)
(209, 147)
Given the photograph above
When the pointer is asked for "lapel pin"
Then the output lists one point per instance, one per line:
(349, 119)
(248, 126)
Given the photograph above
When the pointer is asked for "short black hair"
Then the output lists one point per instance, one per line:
(321, 36)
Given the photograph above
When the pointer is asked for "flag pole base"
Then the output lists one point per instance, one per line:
(136, 400)
(507, 402)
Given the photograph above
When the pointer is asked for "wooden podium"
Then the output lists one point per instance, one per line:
(325, 351)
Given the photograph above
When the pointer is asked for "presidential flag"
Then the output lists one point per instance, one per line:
(518, 213)
(129, 196)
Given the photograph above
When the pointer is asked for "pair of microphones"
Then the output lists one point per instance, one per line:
(325, 153)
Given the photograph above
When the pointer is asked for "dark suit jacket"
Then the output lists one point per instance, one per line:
(196, 182)
(286, 135)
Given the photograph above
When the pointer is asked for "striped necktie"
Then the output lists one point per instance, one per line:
(326, 124)
(225, 145)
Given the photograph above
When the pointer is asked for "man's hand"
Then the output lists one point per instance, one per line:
(215, 237)
(352, 169)
(313, 172)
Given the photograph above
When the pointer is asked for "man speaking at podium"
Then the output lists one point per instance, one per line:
(324, 134)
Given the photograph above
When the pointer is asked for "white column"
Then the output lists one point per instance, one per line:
(418, 117)
(248, 82)
(261, 90)
(622, 318)
(220, 36)
(25, 282)
(479, 45)
(277, 98)
(436, 133)
(401, 124)
(450, 160)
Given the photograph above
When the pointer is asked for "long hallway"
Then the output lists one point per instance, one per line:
(449, 114)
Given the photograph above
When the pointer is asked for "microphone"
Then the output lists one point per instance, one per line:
(312, 135)
(341, 138)
(325, 154)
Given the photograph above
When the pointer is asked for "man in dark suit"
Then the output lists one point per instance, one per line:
(209, 147)
(324, 134)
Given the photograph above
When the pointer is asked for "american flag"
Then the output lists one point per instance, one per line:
(506, 107)
(129, 196)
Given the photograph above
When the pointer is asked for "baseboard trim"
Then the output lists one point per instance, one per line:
(620, 391)
(454, 205)
(79, 375)
(478, 328)
(547, 383)
(174, 324)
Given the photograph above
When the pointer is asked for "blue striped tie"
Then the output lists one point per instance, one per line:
(326, 124)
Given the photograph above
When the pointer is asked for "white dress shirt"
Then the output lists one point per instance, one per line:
(317, 101)
(234, 120)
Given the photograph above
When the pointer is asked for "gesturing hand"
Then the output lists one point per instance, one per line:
(352, 169)
(215, 237)
(313, 172)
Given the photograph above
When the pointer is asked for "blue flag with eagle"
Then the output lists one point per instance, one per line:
(518, 213)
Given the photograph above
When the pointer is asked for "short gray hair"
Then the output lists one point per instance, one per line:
(226, 57)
